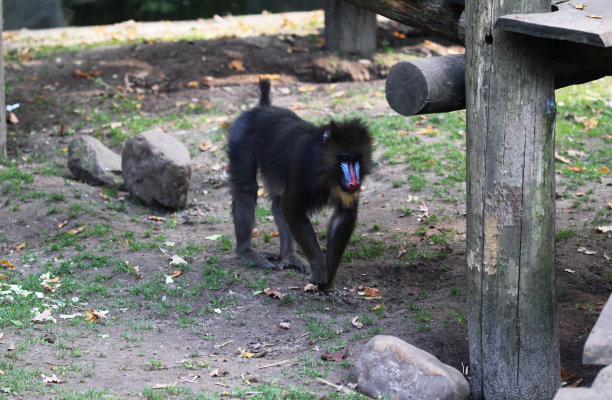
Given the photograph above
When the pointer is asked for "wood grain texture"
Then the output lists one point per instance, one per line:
(512, 311)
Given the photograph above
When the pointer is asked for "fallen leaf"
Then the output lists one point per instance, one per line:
(376, 307)
(562, 159)
(285, 325)
(6, 264)
(585, 251)
(309, 287)
(427, 131)
(371, 292)
(158, 219)
(5, 276)
(214, 373)
(51, 379)
(579, 6)
(193, 84)
(20, 247)
(595, 16)
(74, 231)
(61, 224)
(213, 237)
(569, 271)
(176, 273)
(177, 260)
(245, 353)
(575, 168)
(236, 65)
(274, 234)
(356, 323)
(255, 233)
(603, 170)
(604, 229)
(44, 316)
(575, 153)
(95, 315)
(306, 88)
(12, 118)
(336, 356)
(274, 293)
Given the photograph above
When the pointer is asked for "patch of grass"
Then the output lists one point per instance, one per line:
(563, 234)
(319, 330)
(367, 251)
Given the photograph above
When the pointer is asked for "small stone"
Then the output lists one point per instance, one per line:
(94, 163)
(392, 368)
(157, 169)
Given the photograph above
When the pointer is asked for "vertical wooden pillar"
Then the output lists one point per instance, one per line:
(2, 99)
(512, 303)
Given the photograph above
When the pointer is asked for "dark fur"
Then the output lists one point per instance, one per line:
(301, 173)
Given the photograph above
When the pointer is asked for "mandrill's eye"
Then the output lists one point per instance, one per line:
(345, 157)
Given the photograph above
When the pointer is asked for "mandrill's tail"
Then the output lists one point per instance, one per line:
(264, 92)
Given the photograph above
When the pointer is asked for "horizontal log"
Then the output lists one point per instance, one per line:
(436, 17)
(437, 84)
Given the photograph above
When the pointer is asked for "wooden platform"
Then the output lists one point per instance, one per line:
(581, 21)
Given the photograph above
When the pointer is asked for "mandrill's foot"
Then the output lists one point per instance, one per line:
(292, 260)
(251, 257)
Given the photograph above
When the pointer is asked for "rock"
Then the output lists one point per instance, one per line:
(580, 394)
(598, 347)
(96, 164)
(395, 369)
(157, 169)
(603, 380)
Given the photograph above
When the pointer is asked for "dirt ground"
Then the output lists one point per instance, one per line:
(188, 334)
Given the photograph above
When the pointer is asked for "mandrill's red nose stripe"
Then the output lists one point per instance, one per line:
(353, 185)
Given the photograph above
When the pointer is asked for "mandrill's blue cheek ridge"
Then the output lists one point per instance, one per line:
(357, 171)
(346, 174)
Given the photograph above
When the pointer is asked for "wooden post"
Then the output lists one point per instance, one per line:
(512, 301)
(349, 29)
(2, 99)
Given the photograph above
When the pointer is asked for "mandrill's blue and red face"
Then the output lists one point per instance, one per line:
(350, 180)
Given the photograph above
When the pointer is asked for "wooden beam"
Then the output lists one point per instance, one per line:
(436, 17)
(437, 84)
(512, 302)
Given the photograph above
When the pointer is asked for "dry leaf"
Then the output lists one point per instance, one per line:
(595, 16)
(236, 65)
(376, 307)
(569, 271)
(285, 325)
(356, 323)
(176, 273)
(61, 224)
(604, 229)
(579, 6)
(575, 168)
(12, 118)
(274, 234)
(177, 260)
(274, 293)
(20, 247)
(74, 231)
(309, 287)
(585, 251)
(5, 276)
(336, 355)
(245, 353)
(603, 170)
(6, 264)
(95, 315)
(51, 379)
(214, 373)
(255, 233)
(576, 153)
(43, 316)
(427, 131)
(562, 159)
(158, 219)
(193, 84)
(371, 292)
(306, 88)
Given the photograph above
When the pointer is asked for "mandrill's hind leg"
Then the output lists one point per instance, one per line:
(289, 258)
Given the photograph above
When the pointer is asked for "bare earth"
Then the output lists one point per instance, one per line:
(180, 333)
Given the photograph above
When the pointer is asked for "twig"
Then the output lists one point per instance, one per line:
(220, 384)
(274, 365)
(339, 388)
(224, 344)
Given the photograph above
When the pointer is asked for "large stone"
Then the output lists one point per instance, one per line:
(91, 161)
(604, 379)
(395, 369)
(157, 169)
(598, 347)
(581, 394)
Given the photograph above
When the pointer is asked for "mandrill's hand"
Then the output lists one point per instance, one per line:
(292, 260)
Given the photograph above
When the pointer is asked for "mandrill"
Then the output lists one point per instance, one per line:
(304, 167)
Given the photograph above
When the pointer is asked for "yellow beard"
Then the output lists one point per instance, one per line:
(347, 199)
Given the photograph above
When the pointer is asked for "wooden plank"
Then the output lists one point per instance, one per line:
(512, 305)
(586, 21)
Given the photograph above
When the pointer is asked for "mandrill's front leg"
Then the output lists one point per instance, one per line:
(339, 232)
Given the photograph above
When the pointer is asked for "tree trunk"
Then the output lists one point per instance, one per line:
(2, 99)
(512, 301)
(349, 29)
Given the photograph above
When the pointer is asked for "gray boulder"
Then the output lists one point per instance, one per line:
(94, 163)
(395, 369)
(604, 379)
(157, 169)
